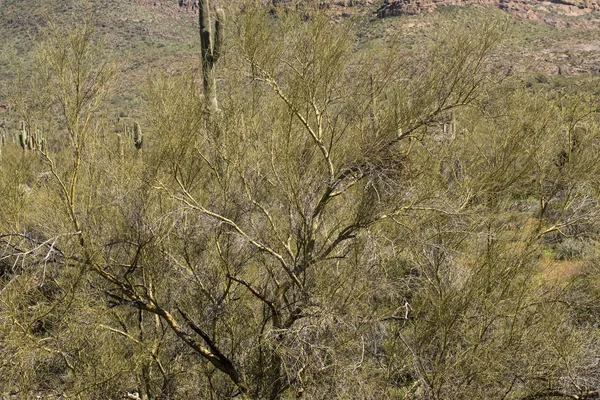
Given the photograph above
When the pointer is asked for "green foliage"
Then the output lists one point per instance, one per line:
(354, 224)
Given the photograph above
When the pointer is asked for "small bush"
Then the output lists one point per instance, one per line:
(571, 249)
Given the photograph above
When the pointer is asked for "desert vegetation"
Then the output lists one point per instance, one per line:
(305, 214)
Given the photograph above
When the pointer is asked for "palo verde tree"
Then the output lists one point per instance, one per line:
(487, 303)
(292, 186)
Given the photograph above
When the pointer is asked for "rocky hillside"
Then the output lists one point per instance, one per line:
(552, 36)
(560, 13)
(525, 7)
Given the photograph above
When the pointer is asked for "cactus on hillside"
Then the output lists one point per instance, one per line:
(138, 138)
(3, 125)
(25, 138)
(210, 46)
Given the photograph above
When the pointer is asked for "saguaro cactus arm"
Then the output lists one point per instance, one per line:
(219, 22)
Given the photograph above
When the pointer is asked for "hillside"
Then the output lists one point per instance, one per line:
(138, 32)
(146, 34)
(556, 12)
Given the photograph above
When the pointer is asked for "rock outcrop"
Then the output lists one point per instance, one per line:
(411, 7)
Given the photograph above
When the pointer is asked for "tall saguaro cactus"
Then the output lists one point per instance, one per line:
(210, 45)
